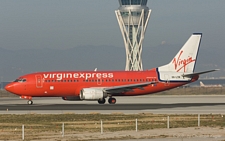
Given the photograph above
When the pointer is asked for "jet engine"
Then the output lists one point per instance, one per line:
(92, 94)
(71, 98)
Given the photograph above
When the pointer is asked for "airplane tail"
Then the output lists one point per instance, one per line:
(201, 84)
(185, 59)
(181, 67)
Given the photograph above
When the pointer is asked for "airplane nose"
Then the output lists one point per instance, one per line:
(9, 87)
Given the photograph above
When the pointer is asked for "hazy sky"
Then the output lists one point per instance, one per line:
(70, 23)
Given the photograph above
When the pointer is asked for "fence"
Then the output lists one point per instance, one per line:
(46, 130)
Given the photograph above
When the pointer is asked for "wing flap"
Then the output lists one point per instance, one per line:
(126, 88)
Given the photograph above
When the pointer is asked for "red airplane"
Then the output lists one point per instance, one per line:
(98, 85)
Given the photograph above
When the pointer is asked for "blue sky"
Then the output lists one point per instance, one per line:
(70, 23)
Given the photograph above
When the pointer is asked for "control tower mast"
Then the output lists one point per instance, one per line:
(133, 17)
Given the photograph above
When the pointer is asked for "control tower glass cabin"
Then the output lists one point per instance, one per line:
(133, 17)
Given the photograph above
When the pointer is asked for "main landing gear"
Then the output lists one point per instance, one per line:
(101, 101)
(111, 100)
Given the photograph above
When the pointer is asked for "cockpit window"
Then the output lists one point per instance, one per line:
(16, 80)
(20, 80)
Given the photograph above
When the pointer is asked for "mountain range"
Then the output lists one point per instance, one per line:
(15, 63)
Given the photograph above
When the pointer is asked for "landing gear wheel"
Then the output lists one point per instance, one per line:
(112, 100)
(29, 102)
(101, 101)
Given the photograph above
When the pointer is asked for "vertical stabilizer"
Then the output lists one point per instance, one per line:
(184, 61)
(201, 84)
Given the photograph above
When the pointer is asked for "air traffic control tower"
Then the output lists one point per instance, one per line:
(133, 17)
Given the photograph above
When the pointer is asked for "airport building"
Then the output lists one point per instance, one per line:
(133, 17)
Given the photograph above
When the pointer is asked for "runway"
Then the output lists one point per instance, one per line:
(169, 104)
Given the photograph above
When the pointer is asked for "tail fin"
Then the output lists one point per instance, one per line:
(201, 84)
(186, 58)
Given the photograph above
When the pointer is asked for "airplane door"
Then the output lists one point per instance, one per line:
(167, 79)
(39, 83)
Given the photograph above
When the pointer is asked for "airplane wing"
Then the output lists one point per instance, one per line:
(126, 88)
(198, 73)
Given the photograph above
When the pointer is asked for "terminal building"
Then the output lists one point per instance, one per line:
(133, 17)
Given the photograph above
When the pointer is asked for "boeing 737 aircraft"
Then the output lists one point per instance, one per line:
(98, 85)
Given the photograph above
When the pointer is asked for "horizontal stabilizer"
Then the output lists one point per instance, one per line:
(198, 73)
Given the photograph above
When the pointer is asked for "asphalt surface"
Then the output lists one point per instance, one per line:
(129, 105)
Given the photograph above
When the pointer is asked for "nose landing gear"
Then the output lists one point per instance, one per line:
(29, 98)
(29, 102)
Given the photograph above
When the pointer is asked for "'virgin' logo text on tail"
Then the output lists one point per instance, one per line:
(180, 64)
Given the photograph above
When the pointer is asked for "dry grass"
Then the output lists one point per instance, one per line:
(38, 126)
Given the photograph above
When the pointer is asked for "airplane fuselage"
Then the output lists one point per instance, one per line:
(70, 83)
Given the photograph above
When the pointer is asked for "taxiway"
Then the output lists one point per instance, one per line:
(169, 104)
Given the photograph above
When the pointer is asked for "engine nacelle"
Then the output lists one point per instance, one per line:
(92, 94)
(71, 98)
